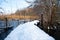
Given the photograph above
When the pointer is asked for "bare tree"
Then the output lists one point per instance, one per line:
(47, 9)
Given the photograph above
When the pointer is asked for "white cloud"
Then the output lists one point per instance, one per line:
(13, 5)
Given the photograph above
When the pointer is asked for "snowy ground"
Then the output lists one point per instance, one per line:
(28, 31)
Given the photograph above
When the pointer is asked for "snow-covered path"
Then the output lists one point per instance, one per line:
(28, 31)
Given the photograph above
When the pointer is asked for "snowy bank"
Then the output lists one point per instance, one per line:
(28, 31)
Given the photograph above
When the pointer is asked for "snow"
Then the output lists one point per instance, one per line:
(28, 31)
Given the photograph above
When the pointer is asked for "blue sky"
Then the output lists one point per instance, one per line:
(12, 5)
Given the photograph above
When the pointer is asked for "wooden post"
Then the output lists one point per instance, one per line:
(42, 20)
(6, 22)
